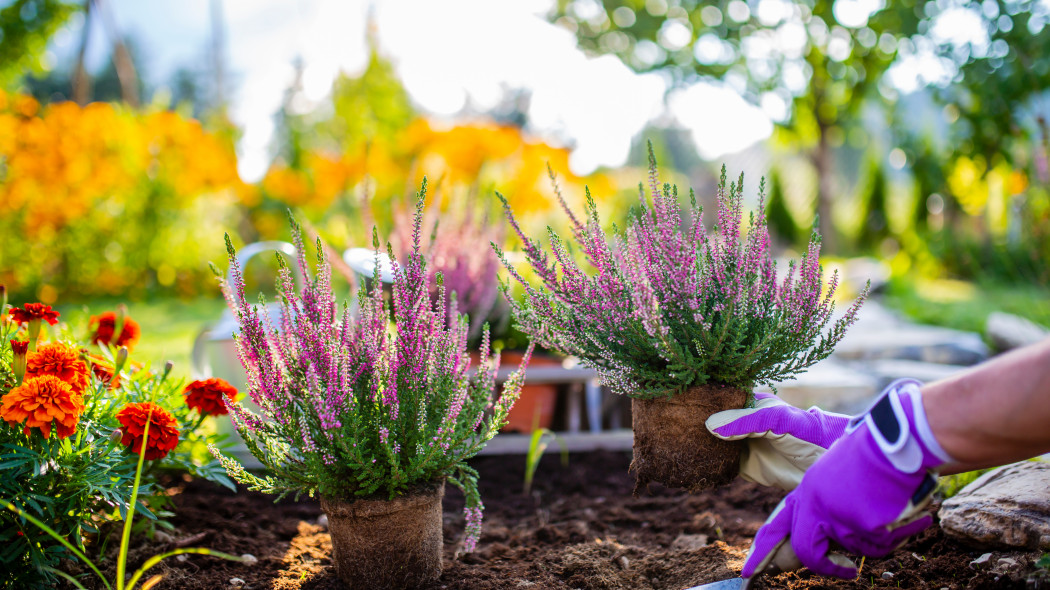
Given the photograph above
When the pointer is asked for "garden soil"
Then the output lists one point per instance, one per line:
(581, 528)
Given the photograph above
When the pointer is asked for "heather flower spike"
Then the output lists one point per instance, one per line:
(350, 407)
(666, 305)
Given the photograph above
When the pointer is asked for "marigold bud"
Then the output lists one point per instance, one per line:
(120, 360)
(20, 349)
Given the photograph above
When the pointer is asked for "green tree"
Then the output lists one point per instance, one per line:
(25, 28)
(815, 58)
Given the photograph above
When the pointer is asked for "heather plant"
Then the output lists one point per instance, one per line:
(354, 405)
(669, 305)
(470, 273)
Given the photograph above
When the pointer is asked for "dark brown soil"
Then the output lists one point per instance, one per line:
(581, 528)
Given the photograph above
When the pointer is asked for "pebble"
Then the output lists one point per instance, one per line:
(624, 563)
(1007, 562)
(322, 520)
(249, 559)
(981, 560)
(887, 575)
(236, 582)
(182, 557)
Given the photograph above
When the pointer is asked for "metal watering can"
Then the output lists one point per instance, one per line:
(214, 350)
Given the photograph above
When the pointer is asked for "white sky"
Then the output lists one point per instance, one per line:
(444, 51)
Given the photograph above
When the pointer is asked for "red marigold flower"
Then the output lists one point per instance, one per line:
(103, 326)
(61, 361)
(19, 347)
(205, 396)
(34, 311)
(163, 429)
(41, 402)
(104, 371)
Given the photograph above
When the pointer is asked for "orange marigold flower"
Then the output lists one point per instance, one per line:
(34, 311)
(163, 429)
(103, 326)
(41, 401)
(205, 396)
(61, 361)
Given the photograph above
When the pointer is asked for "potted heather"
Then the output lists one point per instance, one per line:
(371, 415)
(684, 321)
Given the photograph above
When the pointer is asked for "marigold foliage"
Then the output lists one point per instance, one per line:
(59, 461)
(351, 405)
(668, 305)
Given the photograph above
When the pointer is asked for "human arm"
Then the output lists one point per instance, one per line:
(994, 413)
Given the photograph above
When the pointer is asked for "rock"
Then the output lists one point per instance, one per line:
(1007, 331)
(1006, 562)
(322, 521)
(887, 575)
(689, 542)
(249, 559)
(236, 582)
(1008, 506)
(888, 371)
(913, 343)
(981, 560)
(829, 385)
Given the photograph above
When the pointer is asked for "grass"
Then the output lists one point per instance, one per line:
(169, 326)
(965, 305)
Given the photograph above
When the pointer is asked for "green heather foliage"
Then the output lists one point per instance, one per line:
(668, 306)
(354, 406)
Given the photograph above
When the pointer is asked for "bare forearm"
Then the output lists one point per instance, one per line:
(995, 413)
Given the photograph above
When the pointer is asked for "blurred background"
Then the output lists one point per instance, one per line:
(133, 134)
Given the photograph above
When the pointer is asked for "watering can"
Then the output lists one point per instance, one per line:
(214, 350)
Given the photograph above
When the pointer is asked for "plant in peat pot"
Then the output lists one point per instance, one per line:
(684, 321)
(372, 415)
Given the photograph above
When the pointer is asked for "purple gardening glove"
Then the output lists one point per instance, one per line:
(865, 494)
(783, 441)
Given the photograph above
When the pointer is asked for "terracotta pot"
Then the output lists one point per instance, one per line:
(673, 447)
(535, 407)
(387, 544)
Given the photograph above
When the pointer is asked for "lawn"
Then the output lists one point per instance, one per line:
(965, 305)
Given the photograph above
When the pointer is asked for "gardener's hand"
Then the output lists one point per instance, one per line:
(783, 441)
(865, 494)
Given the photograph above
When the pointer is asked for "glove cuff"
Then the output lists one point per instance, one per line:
(898, 425)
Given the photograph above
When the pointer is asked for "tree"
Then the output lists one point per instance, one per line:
(25, 28)
(817, 61)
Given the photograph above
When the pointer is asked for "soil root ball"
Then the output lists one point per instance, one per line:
(673, 447)
(387, 544)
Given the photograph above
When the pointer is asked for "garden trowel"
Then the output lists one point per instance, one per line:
(784, 560)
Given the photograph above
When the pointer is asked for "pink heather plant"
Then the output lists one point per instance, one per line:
(669, 306)
(352, 406)
(470, 272)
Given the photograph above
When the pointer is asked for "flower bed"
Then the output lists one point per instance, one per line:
(582, 528)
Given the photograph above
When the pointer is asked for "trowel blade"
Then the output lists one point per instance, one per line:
(730, 584)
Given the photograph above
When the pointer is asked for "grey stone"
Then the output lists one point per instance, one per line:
(914, 343)
(689, 542)
(1007, 331)
(829, 385)
(249, 559)
(1006, 507)
(887, 575)
(236, 582)
(322, 521)
(888, 371)
(981, 560)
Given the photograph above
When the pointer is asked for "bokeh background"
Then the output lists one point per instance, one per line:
(134, 134)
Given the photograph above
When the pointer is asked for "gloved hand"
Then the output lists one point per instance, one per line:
(783, 441)
(865, 494)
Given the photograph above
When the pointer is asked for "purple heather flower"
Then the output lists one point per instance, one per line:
(667, 305)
